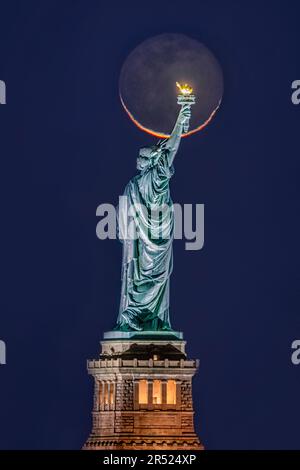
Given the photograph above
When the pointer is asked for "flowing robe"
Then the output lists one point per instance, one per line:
(148, 257)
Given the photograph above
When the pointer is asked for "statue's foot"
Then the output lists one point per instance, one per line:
(130, 321)
(133, 326)
(164, 326)
(127, 325)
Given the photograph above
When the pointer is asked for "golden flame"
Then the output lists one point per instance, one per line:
(184, 89)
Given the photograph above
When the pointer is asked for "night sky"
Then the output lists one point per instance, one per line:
(66, 146)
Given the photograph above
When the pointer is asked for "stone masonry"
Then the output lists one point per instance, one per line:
(125, 419)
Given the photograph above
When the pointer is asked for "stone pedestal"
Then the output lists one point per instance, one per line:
(143, 393)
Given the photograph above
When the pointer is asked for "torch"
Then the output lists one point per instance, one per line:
(184, 97)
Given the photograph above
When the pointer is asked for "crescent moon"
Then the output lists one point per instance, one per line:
(147, 81)
(166, 136)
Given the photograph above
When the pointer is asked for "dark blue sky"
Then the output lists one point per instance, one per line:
(67, 146)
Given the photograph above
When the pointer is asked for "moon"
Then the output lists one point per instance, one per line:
(147, 84)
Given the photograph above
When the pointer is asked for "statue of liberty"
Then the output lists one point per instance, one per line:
(147, 257)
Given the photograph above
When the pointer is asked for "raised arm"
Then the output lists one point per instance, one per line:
(173, 142)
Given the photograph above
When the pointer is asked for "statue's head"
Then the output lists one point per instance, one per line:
(148, 156)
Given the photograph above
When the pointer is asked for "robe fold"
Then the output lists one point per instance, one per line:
(146, 224)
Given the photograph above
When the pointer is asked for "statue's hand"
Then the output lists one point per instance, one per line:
(184, 114)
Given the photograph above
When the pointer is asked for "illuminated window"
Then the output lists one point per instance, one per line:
(143, 392)
(157, 392)
(106, 393)
(171, 392)
(101, 393)
(111, 394)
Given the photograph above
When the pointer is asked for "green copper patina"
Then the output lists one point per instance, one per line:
(148, 256)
